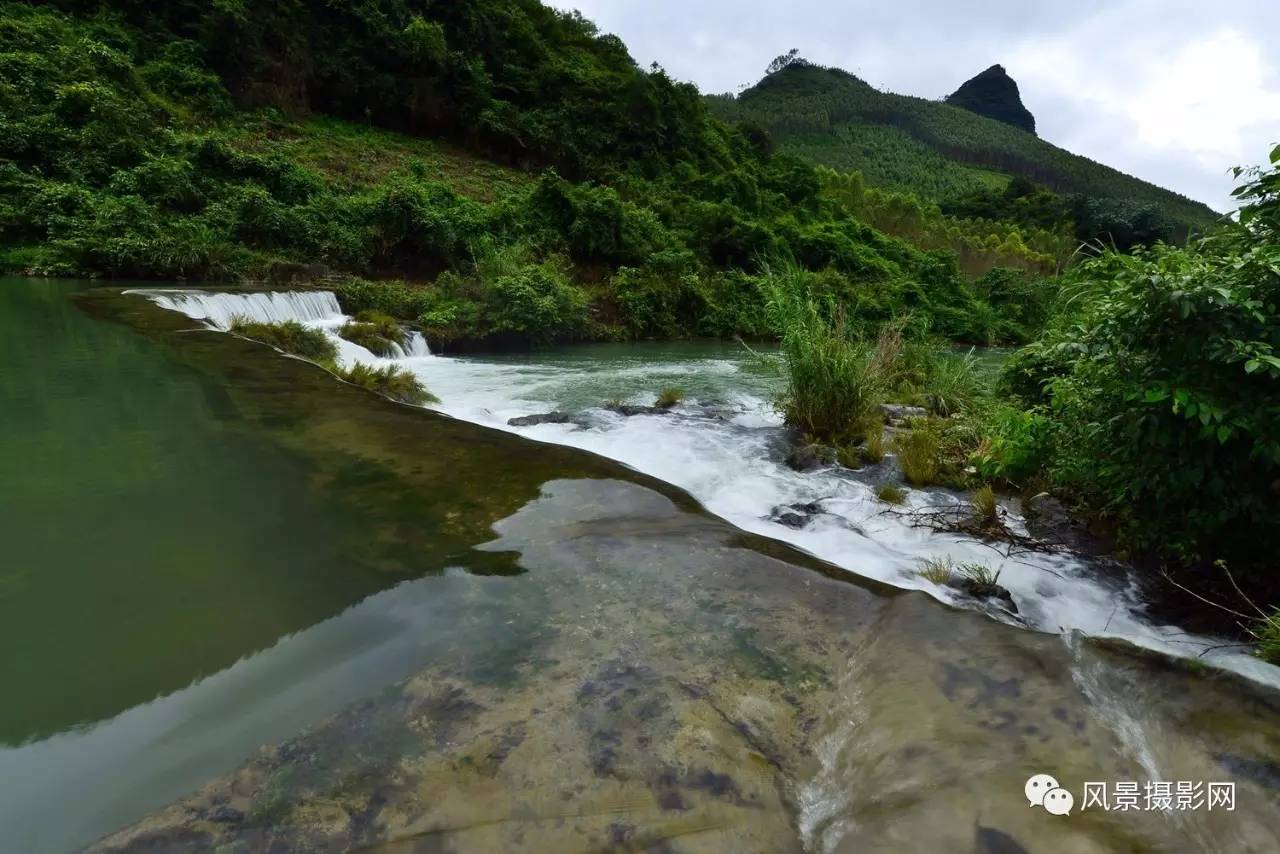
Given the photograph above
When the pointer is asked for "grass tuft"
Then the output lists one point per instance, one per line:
(982, 579)
(290, 337)
(389, 381)
(918, 455)
(876, 447)
(834, 379)
(938, 570)
(891, 493)
(1267, 633)
(668, 398)
(986, 507)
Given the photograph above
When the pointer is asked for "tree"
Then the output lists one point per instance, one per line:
(786, 60)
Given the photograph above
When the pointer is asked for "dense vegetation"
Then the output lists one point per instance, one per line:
(934, 149)
(185, 143)
(1158, 381)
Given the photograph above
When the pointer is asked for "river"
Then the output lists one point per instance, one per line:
(364, 624)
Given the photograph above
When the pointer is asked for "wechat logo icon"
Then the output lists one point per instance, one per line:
(1043, 790)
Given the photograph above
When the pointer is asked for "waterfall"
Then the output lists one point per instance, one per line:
(219, 309)
(416, 345)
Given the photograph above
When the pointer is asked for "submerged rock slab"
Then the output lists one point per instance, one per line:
(670, 685)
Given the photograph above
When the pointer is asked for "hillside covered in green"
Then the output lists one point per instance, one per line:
(943, 153)
(493, 170)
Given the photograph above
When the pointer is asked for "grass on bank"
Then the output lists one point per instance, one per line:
(295, 339)
(378, 333)
(290, 337)
(389, 381)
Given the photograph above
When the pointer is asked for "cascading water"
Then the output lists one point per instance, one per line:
(220, 310)
(729, 461)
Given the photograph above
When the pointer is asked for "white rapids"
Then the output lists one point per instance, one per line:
(728, 458)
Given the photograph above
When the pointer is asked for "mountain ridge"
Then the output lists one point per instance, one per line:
(938, 150)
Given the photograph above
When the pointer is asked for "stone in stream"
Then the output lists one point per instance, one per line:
(897, 413)
(628, 409)
(988, 595)
(1049, 521)
(796, 515)
(811, 456)
(544, 418)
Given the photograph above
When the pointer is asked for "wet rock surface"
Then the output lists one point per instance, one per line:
(810, 456)
(897, 414)
(1048, 520)
(543, 418)
(629, 409)
(691, 694)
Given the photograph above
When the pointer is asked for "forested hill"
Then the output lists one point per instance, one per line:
(930, 148)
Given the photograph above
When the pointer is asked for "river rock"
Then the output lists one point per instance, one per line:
(896, 413)
(1049, 521)
(544, 418)
(993, 593)
(629, 410)
(796, 515)
(811, 456)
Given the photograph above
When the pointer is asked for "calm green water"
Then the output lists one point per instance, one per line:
(149, 539)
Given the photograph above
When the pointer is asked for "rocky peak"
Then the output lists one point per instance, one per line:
(994, 94)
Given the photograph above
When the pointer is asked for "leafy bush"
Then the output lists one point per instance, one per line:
(1016, 444)
(291, 337)
(1164, 383)
(537, 304)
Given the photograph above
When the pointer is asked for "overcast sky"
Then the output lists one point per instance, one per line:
(1172, 91)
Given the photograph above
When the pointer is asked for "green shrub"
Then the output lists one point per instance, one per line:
(1015, 445)
(290, 337)
(537, 304)
(662, 298)
(1167, 395)
(389, 381)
